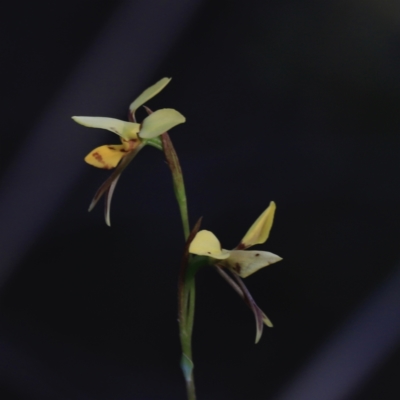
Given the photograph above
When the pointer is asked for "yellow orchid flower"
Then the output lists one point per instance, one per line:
(131, 133)
(133, 136)
(239, 262)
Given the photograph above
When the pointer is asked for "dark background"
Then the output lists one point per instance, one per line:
(292, 101)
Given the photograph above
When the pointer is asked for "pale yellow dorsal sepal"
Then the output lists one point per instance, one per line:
(160, 122)
(126, 130)
(247, 262)
(106, 157)
(259, 231)
(205, 243)
(148, 94)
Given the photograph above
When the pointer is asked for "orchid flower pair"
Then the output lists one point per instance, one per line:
(239, 261)
(133, 136)
(204, 246)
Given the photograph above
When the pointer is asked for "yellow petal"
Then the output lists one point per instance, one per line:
(148, 94)
(160, 122)
(205, 243)
(106, 157)
(127, 130)
(246, 262)
(259, 231)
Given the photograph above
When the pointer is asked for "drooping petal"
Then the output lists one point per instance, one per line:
(267, 321)
(148, 94)
(259, 231)
(258, 314)
(206, 243)
(160, 121)
(107, 156)
(246, 262)
(107, 201)
(115, 175)
(244, 294)
(127, 130)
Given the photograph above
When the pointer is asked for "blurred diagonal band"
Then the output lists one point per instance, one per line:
(117, 66)
(348, 359)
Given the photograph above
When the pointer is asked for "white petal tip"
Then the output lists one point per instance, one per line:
(269, 324)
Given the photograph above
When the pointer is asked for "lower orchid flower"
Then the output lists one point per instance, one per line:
(239, 262)
(133, 136)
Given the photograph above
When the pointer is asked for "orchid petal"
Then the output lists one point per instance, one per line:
(259, 231)
(116, 173)
(127, 130)
(107, 156)
(148, 94)
(246, 262)
(258, 314)
(107, 200)
(244, 293)
(159, 122)
(206, 243)
(267, 321)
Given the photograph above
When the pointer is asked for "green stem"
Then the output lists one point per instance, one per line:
(186, 329)
(186, 287)
(192, 300)
(186, 312)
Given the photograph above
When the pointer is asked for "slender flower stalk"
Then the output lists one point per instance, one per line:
(186, 284)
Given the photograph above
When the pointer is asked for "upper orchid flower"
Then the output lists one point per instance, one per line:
(132, 134)
(241, 262)
(134, 137)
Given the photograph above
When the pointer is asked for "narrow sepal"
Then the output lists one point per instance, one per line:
(126, 130)
(267, 321)
(107, 201)
(258, 314)
(259, 231)
(149, 93)
(243, 292)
